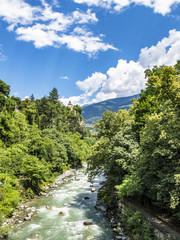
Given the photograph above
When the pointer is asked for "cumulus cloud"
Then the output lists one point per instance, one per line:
(17, 11)
(91, 84)
(81, 99)
(167, 51)
(45, 27)
(159, 6)
(81, 41)
(127, 78)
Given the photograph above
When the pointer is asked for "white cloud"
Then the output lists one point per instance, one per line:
(16, 94)
(64, 77)
(81, 99)
(159, 6)
(56, 3)
(2, 56)
(93, 83)
(38, 35)
(101, 96)
(17, 11)
(45, 27)
(85, 42)
(26, 98)
(89, 86)
(167, 51)
(127, 78)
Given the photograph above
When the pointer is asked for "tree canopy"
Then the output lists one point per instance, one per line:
(39, 139)
(139, 149)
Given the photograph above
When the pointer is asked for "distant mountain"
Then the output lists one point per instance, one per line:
(93, 112)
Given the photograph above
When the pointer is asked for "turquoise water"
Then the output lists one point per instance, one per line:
(69, 199)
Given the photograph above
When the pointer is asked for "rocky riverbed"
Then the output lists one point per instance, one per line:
(25, 212)
(65, 210)
(112, 216)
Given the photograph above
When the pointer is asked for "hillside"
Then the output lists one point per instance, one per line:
(93, 112)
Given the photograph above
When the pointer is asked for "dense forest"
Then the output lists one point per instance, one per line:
(39, 139)
(139, 149)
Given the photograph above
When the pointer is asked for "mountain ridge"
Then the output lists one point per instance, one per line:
(93, 112)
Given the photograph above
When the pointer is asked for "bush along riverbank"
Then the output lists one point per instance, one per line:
(23, 212)
(128, 223)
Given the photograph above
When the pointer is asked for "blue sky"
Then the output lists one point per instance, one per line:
(90, 50)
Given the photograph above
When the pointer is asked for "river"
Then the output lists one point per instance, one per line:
(76, 203)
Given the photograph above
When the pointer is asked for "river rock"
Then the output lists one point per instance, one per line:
(48, 207)
(88, 223)
(90, 237)
(121, 237)
(27, 218)
(32, 236)
(93, 190)
(101, 207)
(118, 237)
(86, 198)
(42, 194)
(61, 213)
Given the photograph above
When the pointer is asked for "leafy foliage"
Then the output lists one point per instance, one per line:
(9, 195)
(39, 139)
(139, 150)
(134, 223)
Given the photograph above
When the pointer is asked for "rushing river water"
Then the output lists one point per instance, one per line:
(77, 203)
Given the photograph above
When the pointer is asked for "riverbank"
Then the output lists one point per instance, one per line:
(134, 220)
(25, 213)
(66, 212)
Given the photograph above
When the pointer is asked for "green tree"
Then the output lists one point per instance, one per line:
(78, 109)
(162, 91)
(36, 172)
(111, 123)
(159, 165)
(4, 88)
(32, 97)
(53, 95)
